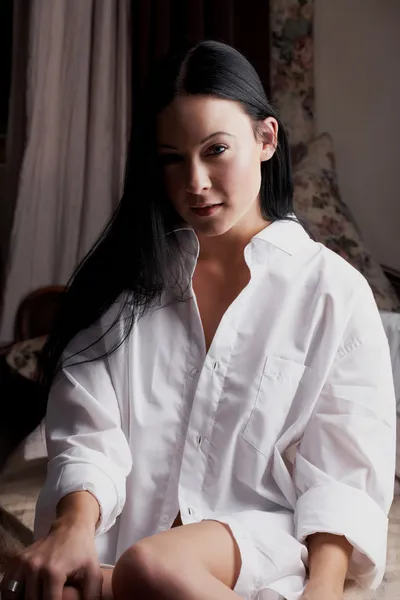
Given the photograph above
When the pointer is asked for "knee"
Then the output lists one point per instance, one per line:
(140, 573)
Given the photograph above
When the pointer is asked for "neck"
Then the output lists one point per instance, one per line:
(228, 248)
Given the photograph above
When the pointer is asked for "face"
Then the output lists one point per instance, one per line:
(211, 162)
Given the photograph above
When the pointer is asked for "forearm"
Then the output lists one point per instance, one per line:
(329, 557)
(79, 508)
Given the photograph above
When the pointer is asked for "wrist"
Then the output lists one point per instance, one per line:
(73, 522)
(320, 587)
(321, 592)
(329, 557)
(328, 576)
(78, 509)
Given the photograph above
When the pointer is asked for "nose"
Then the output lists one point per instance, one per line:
(197, 179)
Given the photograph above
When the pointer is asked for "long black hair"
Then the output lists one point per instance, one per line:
(134, 255)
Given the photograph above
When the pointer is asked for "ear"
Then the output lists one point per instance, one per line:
(269, 138)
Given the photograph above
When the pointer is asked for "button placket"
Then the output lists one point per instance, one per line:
(207, 395)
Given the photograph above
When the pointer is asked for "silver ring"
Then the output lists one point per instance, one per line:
(14, 586)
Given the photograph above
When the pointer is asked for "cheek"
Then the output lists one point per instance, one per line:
(243, 175)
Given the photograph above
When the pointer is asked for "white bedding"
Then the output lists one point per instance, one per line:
(391, 324)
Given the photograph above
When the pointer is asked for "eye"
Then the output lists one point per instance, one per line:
(216, 150)
(169, 159)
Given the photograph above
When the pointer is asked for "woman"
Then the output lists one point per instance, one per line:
(221, 373)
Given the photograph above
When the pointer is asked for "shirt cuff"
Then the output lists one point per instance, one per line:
(77, 477)
(341, 509)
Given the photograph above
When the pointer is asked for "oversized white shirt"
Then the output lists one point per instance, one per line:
(290, 413)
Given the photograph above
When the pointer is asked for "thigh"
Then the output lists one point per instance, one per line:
(182, 552)
(251, 556)
(208, 545)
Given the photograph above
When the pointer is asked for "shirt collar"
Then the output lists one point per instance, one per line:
(286, 235)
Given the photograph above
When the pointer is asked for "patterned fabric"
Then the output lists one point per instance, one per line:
(318, 202)
(23, 356)
(316, 190)
(292, 69)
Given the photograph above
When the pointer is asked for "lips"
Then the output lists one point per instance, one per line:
(206, 205)
(206, 210)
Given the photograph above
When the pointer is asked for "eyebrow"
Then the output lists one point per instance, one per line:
(202, 141)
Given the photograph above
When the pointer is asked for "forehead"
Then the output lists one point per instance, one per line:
(188, 119)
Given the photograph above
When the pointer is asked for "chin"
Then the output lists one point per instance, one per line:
(212, 229)
(213, 226)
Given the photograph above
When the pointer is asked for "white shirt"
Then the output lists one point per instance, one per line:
(291, 411)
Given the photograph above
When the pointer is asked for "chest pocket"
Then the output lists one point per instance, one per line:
(280, 386)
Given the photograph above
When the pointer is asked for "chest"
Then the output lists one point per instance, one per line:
(215, 291)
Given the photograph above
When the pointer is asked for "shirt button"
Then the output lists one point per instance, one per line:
(165, 518)
(194, 372)
(215, 365)
(190, 511)
(180, 448)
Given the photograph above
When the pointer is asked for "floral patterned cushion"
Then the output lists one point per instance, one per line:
(318, 202)
(292, 69)
(22, 356)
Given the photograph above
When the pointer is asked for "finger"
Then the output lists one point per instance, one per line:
(52, 586)
(92, 585)
(14, 573)
(8, 594)
(33, 584)
(106, 591)
(71, 592)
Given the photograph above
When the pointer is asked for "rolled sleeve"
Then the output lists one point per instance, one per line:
(360, 520)
(76, 476)
(87, 447)
(345, 462)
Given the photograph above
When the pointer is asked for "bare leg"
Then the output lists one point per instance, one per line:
(200, 561)
(72, 593)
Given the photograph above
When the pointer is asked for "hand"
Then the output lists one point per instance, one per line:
(67, 554)
(320, 591)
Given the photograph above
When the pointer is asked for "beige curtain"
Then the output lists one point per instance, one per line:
(16, 129)
(78, 114)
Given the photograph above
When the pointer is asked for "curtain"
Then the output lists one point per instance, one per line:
(77, 103)
(87, 62)
(157, 23)
(16, 129)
